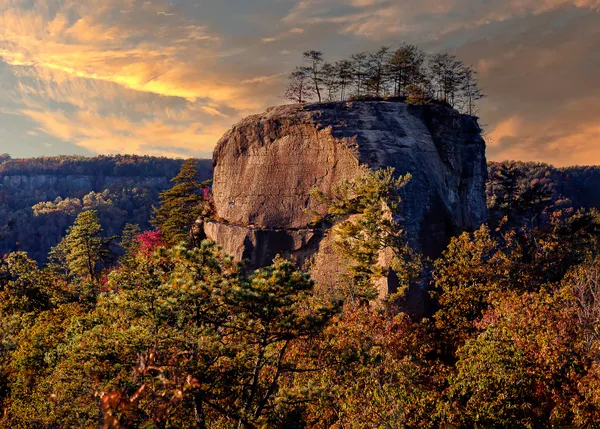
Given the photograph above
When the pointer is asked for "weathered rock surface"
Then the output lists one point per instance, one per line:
(265, 166)
(258, 246)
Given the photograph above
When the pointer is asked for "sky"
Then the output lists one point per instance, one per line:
(169, 78)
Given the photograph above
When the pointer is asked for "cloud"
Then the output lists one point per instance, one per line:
(111, 134)
(284, 35)
(114, 82)
(137, 53)
(94, 51)
(542, 86)
(262, 79)
(425, 19)
(169, 78)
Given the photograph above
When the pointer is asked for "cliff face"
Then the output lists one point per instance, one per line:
(265, 166)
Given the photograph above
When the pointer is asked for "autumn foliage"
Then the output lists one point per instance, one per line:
(179, 335)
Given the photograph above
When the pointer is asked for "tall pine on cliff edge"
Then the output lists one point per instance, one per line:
(181, 205)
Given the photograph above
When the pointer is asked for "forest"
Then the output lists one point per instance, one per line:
(171, 333)
(40, 197)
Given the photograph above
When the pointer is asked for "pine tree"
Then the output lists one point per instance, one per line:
(447, 76)
(315, 70)
(330, 80)
(83, 250)
(405, 68)
(344, 76)
(129, 244)
(298, 89)
(470, 93)
(359, 71)
(506, 184)
(181, 205)
(367, 222)
(534, 199)
(377, 72)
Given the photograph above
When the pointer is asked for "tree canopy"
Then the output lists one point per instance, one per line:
(181, 335)
(182, 205)
(407, 73)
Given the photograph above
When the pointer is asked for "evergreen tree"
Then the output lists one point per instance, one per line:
(366, 216)
(506, 188)
(330, 80)
(534, 199)
(359, 71)
(315, 70)
(129, 244)
(405, 68)
(470, 93)
(181, 205)
(344, 77)
(446, 73)
(298, 90)
(83, 250)
(377, 73)
(186, 339)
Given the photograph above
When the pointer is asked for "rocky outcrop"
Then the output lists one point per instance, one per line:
(266, 165)
(259, 246)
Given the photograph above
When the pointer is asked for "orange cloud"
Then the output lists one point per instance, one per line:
(124, 82)
(90, 49)
(378, 19)
(565, 138)
(111, 134)
(507, 128)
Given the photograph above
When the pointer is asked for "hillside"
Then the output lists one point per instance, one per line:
(168, 330)
(534, 186)
(580, 184)
(123, 188)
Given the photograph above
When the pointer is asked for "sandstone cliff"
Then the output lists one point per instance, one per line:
(265, 166)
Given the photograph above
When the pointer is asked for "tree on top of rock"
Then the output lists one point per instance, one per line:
(405, 68)
(298, 90)
(377, 72)
(315, 70)
(181, 205)
(446, 74)
(408, 73)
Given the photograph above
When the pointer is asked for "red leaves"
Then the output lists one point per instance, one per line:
(149, 242)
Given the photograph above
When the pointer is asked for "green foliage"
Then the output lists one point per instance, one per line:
(522, 369)
(181, 205)
(477, 267)
(374, 370)
(123, 188)
(185, 337)
(526, 193)
(83, 250)
(179, 337)
(130, 244)
(367, 225)
(467, 275)
(23, 289)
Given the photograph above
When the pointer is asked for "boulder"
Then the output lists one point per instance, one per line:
(266, 165)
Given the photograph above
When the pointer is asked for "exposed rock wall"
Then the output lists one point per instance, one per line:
(265, 166)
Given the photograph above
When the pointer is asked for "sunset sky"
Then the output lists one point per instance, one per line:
(168, 78)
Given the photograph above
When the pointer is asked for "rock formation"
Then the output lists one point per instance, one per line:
(266, 165)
